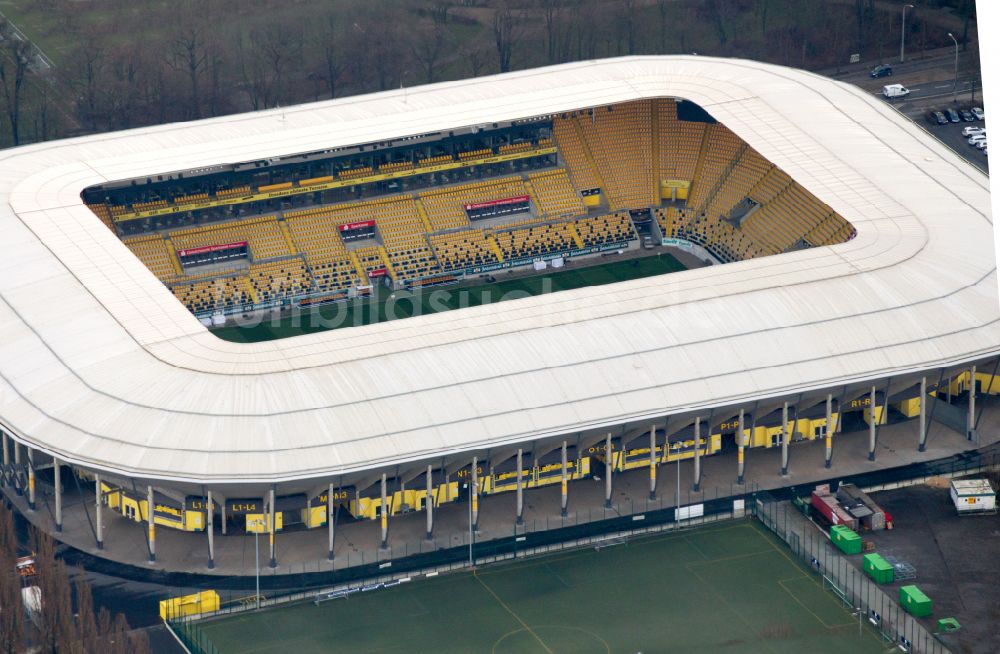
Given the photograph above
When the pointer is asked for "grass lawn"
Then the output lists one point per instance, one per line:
(727, 588)
(387, 305)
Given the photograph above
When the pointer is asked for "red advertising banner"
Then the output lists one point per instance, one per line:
(518, 199)
(349, 226)
(378, 272)
(210, 248)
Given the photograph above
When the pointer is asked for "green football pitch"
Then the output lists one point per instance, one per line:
(403, 304)
(727, 588)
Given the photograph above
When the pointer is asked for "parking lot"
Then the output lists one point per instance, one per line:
(951, 135)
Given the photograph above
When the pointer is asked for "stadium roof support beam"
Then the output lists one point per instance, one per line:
(210, 528)
(57, 477)
(608, 456)
(970, 420)
(98, 501)
(873, 421)
(31, 478)
(741, 440)
(784, 439)
(828, 433)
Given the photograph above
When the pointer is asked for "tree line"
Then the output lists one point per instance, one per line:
(65, 620)
(117, 64)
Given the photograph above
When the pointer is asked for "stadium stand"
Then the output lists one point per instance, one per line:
(554, 195)
(444, 206)
(600, 230)
(534, 241)
(154, 251)
(263, 235)
(458, 250)
(575, 154)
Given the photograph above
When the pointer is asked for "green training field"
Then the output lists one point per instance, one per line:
(729, 588)
(403, 304)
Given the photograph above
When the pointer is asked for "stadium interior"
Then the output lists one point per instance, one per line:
(436, 208)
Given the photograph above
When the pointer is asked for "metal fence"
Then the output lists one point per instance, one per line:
(869, 602)
(453, 551)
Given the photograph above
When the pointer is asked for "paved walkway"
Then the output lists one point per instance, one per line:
(357, 542)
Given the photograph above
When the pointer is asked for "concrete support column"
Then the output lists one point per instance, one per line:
(151, 523)
(330, 518)
(475, 493)
(697, 455)
(222, 514)
(31, 479)
(57, 470)
(384, 515)
(5, 477)
(652, 462)
(871, 426)
(520, 486)
(607, 471)
(970, 421)
(99, 530)
(210, 528)
(922, 435)
(270, 527)
(784, 439)
(18, 485)
(828, 459)
(741, 439)
(564, 496)
(429, 503)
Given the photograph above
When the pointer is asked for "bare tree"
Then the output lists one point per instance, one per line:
(326, 41)
(88, 78)
(11, 607)
(505, 34)
(476, 57)
(55, 625)
(188, 56)
(626, 20)
(428, 45)
(663, 7)
(15, 62)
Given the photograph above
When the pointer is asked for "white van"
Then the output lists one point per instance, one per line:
(895, 91)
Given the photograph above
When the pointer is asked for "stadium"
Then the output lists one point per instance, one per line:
(838, 267)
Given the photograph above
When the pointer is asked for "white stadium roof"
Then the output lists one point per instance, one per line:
(100, 365)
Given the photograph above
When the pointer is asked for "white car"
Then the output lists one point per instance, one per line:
(972, 131)
(977, 138)
(981, 145)
(978, 113)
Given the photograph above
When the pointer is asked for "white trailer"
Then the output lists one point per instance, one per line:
(973, 496)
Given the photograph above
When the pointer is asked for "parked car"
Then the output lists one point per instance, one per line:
(882, 70)
(978, 113)
(981, 145)
(977, 138)
(972, 131)
(941, 118)
(966, 115)
(952, 115)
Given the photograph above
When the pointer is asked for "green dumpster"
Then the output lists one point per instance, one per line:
(880, 570)
(914, 601)
(845, 539)
(946, 625)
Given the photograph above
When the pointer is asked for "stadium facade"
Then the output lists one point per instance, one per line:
(105, 373)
